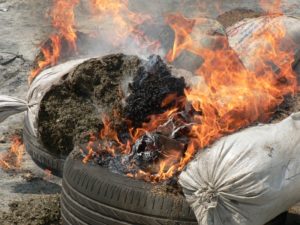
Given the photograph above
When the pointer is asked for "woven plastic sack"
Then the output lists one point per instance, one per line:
(40, 86)
(248, 37)
(247, 178)
(250, 177)
(37, 90)
(10, 106)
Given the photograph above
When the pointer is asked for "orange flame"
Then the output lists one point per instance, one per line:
(12, 159)
(123, 23)
(232, 98)
(271, 6)
(63, 20)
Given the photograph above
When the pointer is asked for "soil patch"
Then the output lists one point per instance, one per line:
(44, 210)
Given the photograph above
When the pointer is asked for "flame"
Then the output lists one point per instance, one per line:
(235, 97)
(63, 20)
(125, 24)
(271, 6)
(232, 97)
(50, 54)
(12, 159)
(90, 149)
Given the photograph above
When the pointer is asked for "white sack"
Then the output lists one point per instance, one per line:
(240, 37)
(250, 177)
(40, 86)
(10, 106)
(37, 90)
(247, 178)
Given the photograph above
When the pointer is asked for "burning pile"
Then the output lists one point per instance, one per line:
(100, 86)
(154, 118)
(144, 118)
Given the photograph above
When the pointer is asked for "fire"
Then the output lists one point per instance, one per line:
(63, 20)
(234, 97)
(231, 98)
(271, 6)
(125, 23)
(12, 159)
(106, 13)
(50, 54)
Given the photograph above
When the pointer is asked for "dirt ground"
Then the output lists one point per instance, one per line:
(44, 210)
(29, 196)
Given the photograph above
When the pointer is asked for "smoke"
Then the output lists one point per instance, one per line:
(138, 27)
(134, 27)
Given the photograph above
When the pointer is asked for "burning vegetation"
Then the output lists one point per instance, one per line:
(140, 118)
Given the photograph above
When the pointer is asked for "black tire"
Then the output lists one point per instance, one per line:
(40, 156)
(95, 196)
(279, 220)
(92, 195)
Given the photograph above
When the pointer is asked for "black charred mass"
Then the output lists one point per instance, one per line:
(153, 83)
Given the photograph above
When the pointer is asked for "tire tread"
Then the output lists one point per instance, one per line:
(99, 194)
(41, 156)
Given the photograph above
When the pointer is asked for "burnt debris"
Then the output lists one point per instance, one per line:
(74, 108)
(146, 154)
(112, 96)
(153, 83)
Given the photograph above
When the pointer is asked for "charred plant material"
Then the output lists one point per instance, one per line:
(148, 155)
(149, 88)
(147, 149)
